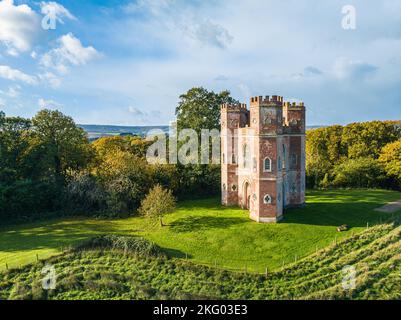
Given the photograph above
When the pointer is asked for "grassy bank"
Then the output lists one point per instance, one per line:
(207, 233)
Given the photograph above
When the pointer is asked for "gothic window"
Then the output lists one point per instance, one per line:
(293, 188)
(267, 165)
(279, 164)
(224, 187)
(284, 155)
(224, 158)
(245, 155)
(233, 187)
(233, 159)
(294, 160)
(267, 199)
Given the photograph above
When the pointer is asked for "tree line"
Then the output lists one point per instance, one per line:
(49, 167)
(365, 155)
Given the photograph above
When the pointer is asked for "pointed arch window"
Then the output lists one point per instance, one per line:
(245, 155)
(267, 165)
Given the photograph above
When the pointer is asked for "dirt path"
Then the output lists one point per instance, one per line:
(390, 207)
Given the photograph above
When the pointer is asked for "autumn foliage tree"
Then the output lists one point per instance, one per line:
(158, 203)
(390, 158)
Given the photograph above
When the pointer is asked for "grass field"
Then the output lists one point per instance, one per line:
(208, 233)
(95, 271)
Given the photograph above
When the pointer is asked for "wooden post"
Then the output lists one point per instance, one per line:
(283, 265)
(367, 225)
(6, 266)
(37, 257)
(266, 272)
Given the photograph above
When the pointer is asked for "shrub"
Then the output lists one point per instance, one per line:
(134, 245)
(84, 193)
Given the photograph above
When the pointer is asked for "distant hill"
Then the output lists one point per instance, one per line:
(96, 131)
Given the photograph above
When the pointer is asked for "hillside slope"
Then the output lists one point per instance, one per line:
(111, 274)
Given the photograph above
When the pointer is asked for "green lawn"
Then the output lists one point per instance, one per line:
(208, 233)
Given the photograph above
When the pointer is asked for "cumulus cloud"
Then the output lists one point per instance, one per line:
(208, 33)
(220, 78)
(50, 79)
(13, 92)
(312, 71)
(48, 104)
(143, 116)
(19, 25)
(181, 18)
(56, 10)
(16, 75)
(136, 111)
(70, 51)
(347, 68)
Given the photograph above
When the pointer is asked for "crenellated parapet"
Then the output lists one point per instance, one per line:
(235, 107)
(265, 101)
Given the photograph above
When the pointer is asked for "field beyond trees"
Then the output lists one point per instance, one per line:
(204, 232)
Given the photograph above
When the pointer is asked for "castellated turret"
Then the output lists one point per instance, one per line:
(263, 156)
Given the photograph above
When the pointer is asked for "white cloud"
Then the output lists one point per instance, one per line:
(209, 33)
(69, 52)
(19, 25)
(13, 92)
(50, 79)
(143, 117)
(136, 111)
(16, 75)
(177, 18)
(154, 7)
(347, 68)
(48, 104)
(56, 10)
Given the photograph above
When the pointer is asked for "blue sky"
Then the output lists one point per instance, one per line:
(127, 62)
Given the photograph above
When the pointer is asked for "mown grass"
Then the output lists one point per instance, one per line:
(207, 233)
(96, 273)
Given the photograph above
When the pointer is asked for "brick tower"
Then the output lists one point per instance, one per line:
(263, 156)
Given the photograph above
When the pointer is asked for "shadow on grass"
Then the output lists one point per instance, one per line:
(53, 235)
(353, 214)
(189, 224)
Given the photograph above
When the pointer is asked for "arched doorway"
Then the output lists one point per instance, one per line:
(246, 198)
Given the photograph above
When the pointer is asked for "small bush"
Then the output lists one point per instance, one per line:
(135, 245)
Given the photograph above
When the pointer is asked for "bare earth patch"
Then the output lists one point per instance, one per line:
(390, 207)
